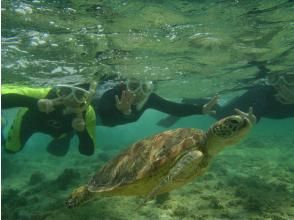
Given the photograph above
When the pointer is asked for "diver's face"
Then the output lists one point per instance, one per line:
(139, 96)
(71, 102)
(140, 89)
(284, 81)
(72, 96)
(281, 79)
(284, 86)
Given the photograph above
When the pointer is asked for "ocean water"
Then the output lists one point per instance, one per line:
(189, 49)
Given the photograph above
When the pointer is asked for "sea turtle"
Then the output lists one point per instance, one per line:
(164, 161)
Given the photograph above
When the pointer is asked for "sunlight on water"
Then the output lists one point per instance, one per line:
(48, 41)
(190, 49)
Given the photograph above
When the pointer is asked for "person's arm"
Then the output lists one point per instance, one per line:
(87, 137)
(86, 145)
(107, 110)
(257, 97)
(171, 119)
(285, 93)
(173, 108)
(12, 100)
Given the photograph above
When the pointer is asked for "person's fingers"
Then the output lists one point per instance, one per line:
(279, 98)
(132, 98)
(45, 105)
(48, 107)
(213, 101)
(78, 124)
(250, 111)
(117, 100)
(248, 115)
(57, 101)
(78, 121)
(283, 92)
(127, 92)
(282, 97)
(79, 115)
(206, 109)
(251, 116)
(291, 93)
(213, 112)
(129, 96)
(241, 113)
(215, 98)
(123, 95)
(287, 93)
(238, 111)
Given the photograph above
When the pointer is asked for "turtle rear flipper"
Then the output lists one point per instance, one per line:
(79, 196)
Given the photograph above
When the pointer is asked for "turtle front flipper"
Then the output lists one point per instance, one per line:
(78, 197)
(186, 164)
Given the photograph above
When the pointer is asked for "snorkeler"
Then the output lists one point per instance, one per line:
(115, 102)
(57, 111)
(274, 99)
(119, 102)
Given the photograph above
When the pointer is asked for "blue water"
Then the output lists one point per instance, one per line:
(189, 49)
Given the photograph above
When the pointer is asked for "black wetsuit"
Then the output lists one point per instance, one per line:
(54, 123)
(263, 101)
(105, 107)
(260, 97)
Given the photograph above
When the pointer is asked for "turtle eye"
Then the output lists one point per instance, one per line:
(234, 121)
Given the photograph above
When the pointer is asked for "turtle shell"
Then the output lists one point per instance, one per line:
(138, 169)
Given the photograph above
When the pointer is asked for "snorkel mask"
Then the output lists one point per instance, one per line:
(136, 86)
(285, 79)
(141, 89)
(284, 87)
(79, 95)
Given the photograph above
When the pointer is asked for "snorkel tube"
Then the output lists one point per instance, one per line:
(78, 123)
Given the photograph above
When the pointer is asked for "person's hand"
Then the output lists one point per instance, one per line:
(125, 102)
(78, 124)
(285, 94)
(248, 115)
(45, 105)
(207, 108)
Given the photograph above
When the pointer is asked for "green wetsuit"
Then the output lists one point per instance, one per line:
(30, 120)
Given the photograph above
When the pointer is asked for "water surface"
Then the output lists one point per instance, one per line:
(190, 49)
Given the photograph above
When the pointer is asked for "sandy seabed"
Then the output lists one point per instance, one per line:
(253, 180)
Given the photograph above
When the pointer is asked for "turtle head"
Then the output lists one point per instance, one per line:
(227, 131)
